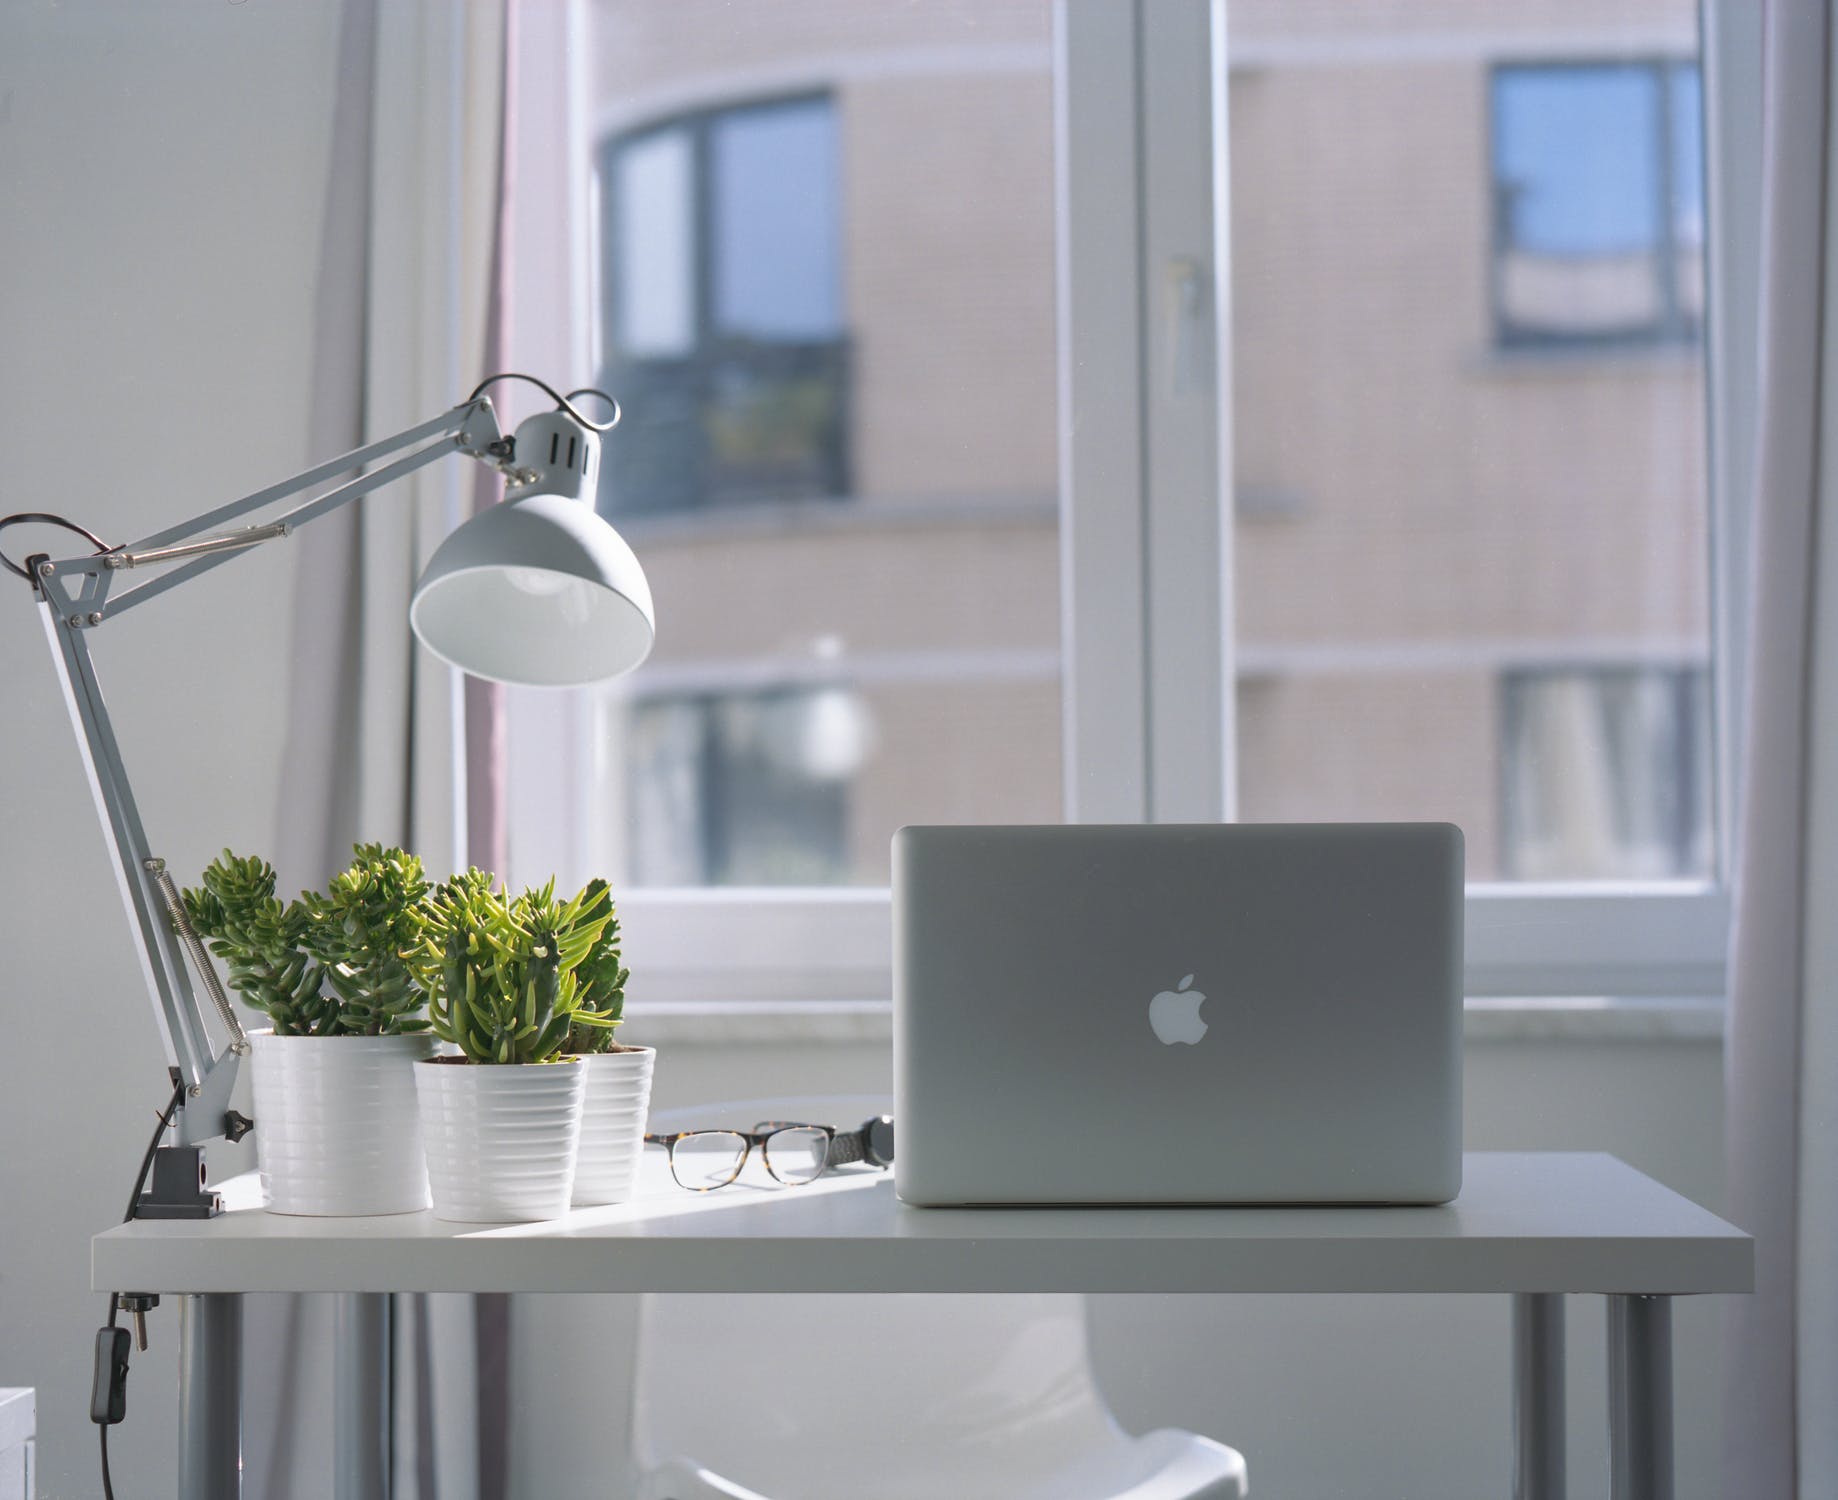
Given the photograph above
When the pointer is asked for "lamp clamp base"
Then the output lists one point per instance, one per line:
(177, 1188)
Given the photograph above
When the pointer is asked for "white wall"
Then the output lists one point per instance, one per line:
(163, 179)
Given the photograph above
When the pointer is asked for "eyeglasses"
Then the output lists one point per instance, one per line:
(703, 1160)
(794, 1153)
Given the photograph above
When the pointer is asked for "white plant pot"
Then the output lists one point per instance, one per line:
(613, 1124)
(337, 1131)
(501, 1138)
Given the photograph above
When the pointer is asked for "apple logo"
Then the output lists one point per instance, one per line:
(1175, 1015)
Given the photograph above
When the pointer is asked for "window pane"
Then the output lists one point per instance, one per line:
(653, 253)
(775, 221)
(1577, 155)
(746, 789)
(1605, 774)
(665, 744)
(1472, 572)
(845, 493)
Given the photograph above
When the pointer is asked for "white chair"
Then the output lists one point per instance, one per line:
(894, 1396)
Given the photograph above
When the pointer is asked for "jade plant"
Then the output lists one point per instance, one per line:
(361, 931)
(519, 979)
(332, 963)
(599, 977)
(259, 940)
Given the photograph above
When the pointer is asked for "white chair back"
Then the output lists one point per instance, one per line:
(780, 1392)
(787, 1394)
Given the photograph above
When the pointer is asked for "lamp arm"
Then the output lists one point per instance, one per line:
(74, 597)
(472, 428)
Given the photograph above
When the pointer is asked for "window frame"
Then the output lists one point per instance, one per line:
(1146, 518)
(1674, 325)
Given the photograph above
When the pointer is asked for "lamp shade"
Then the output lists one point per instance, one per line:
(538, 590)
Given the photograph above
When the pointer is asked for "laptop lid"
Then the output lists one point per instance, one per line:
(1219, 1013)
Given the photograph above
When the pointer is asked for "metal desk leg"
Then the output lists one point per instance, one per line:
(210, 1397)
(1538, 1396)
(1640, 1397)
(361, 1416)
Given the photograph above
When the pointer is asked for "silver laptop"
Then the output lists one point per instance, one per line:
(1237, 1013)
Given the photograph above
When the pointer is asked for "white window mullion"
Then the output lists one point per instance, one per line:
(1145, 523)
(1186, 425)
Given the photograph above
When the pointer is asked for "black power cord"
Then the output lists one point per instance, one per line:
(45, 518)
(564, 403)
(108, 1395)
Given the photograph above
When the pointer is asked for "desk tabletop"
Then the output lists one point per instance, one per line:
(1525, 1222)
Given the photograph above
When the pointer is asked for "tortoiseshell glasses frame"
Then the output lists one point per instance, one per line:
(714, 1158)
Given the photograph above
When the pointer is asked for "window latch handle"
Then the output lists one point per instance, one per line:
(1188, 319)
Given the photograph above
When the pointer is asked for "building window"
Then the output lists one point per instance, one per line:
(1605, 775)
(1598, 190)
(723, 302)
(748, 788)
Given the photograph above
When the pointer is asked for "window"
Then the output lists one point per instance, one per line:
(1605, 774)
(724, 306)
(1172, 494)
(1598, 201)
(745, 789)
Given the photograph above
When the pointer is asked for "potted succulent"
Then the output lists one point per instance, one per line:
(618, 1077)
(337, 1129)
(502, 1120)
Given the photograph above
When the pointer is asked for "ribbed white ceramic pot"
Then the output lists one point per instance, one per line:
(337, 1131)
(613, 1124)
(501, 1138)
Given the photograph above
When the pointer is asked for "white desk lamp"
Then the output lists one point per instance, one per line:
(539, 590)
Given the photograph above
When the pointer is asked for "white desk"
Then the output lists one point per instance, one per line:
(1534, 1226)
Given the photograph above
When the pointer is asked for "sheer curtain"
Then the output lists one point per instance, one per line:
(1782, 1060)
(379, 732)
